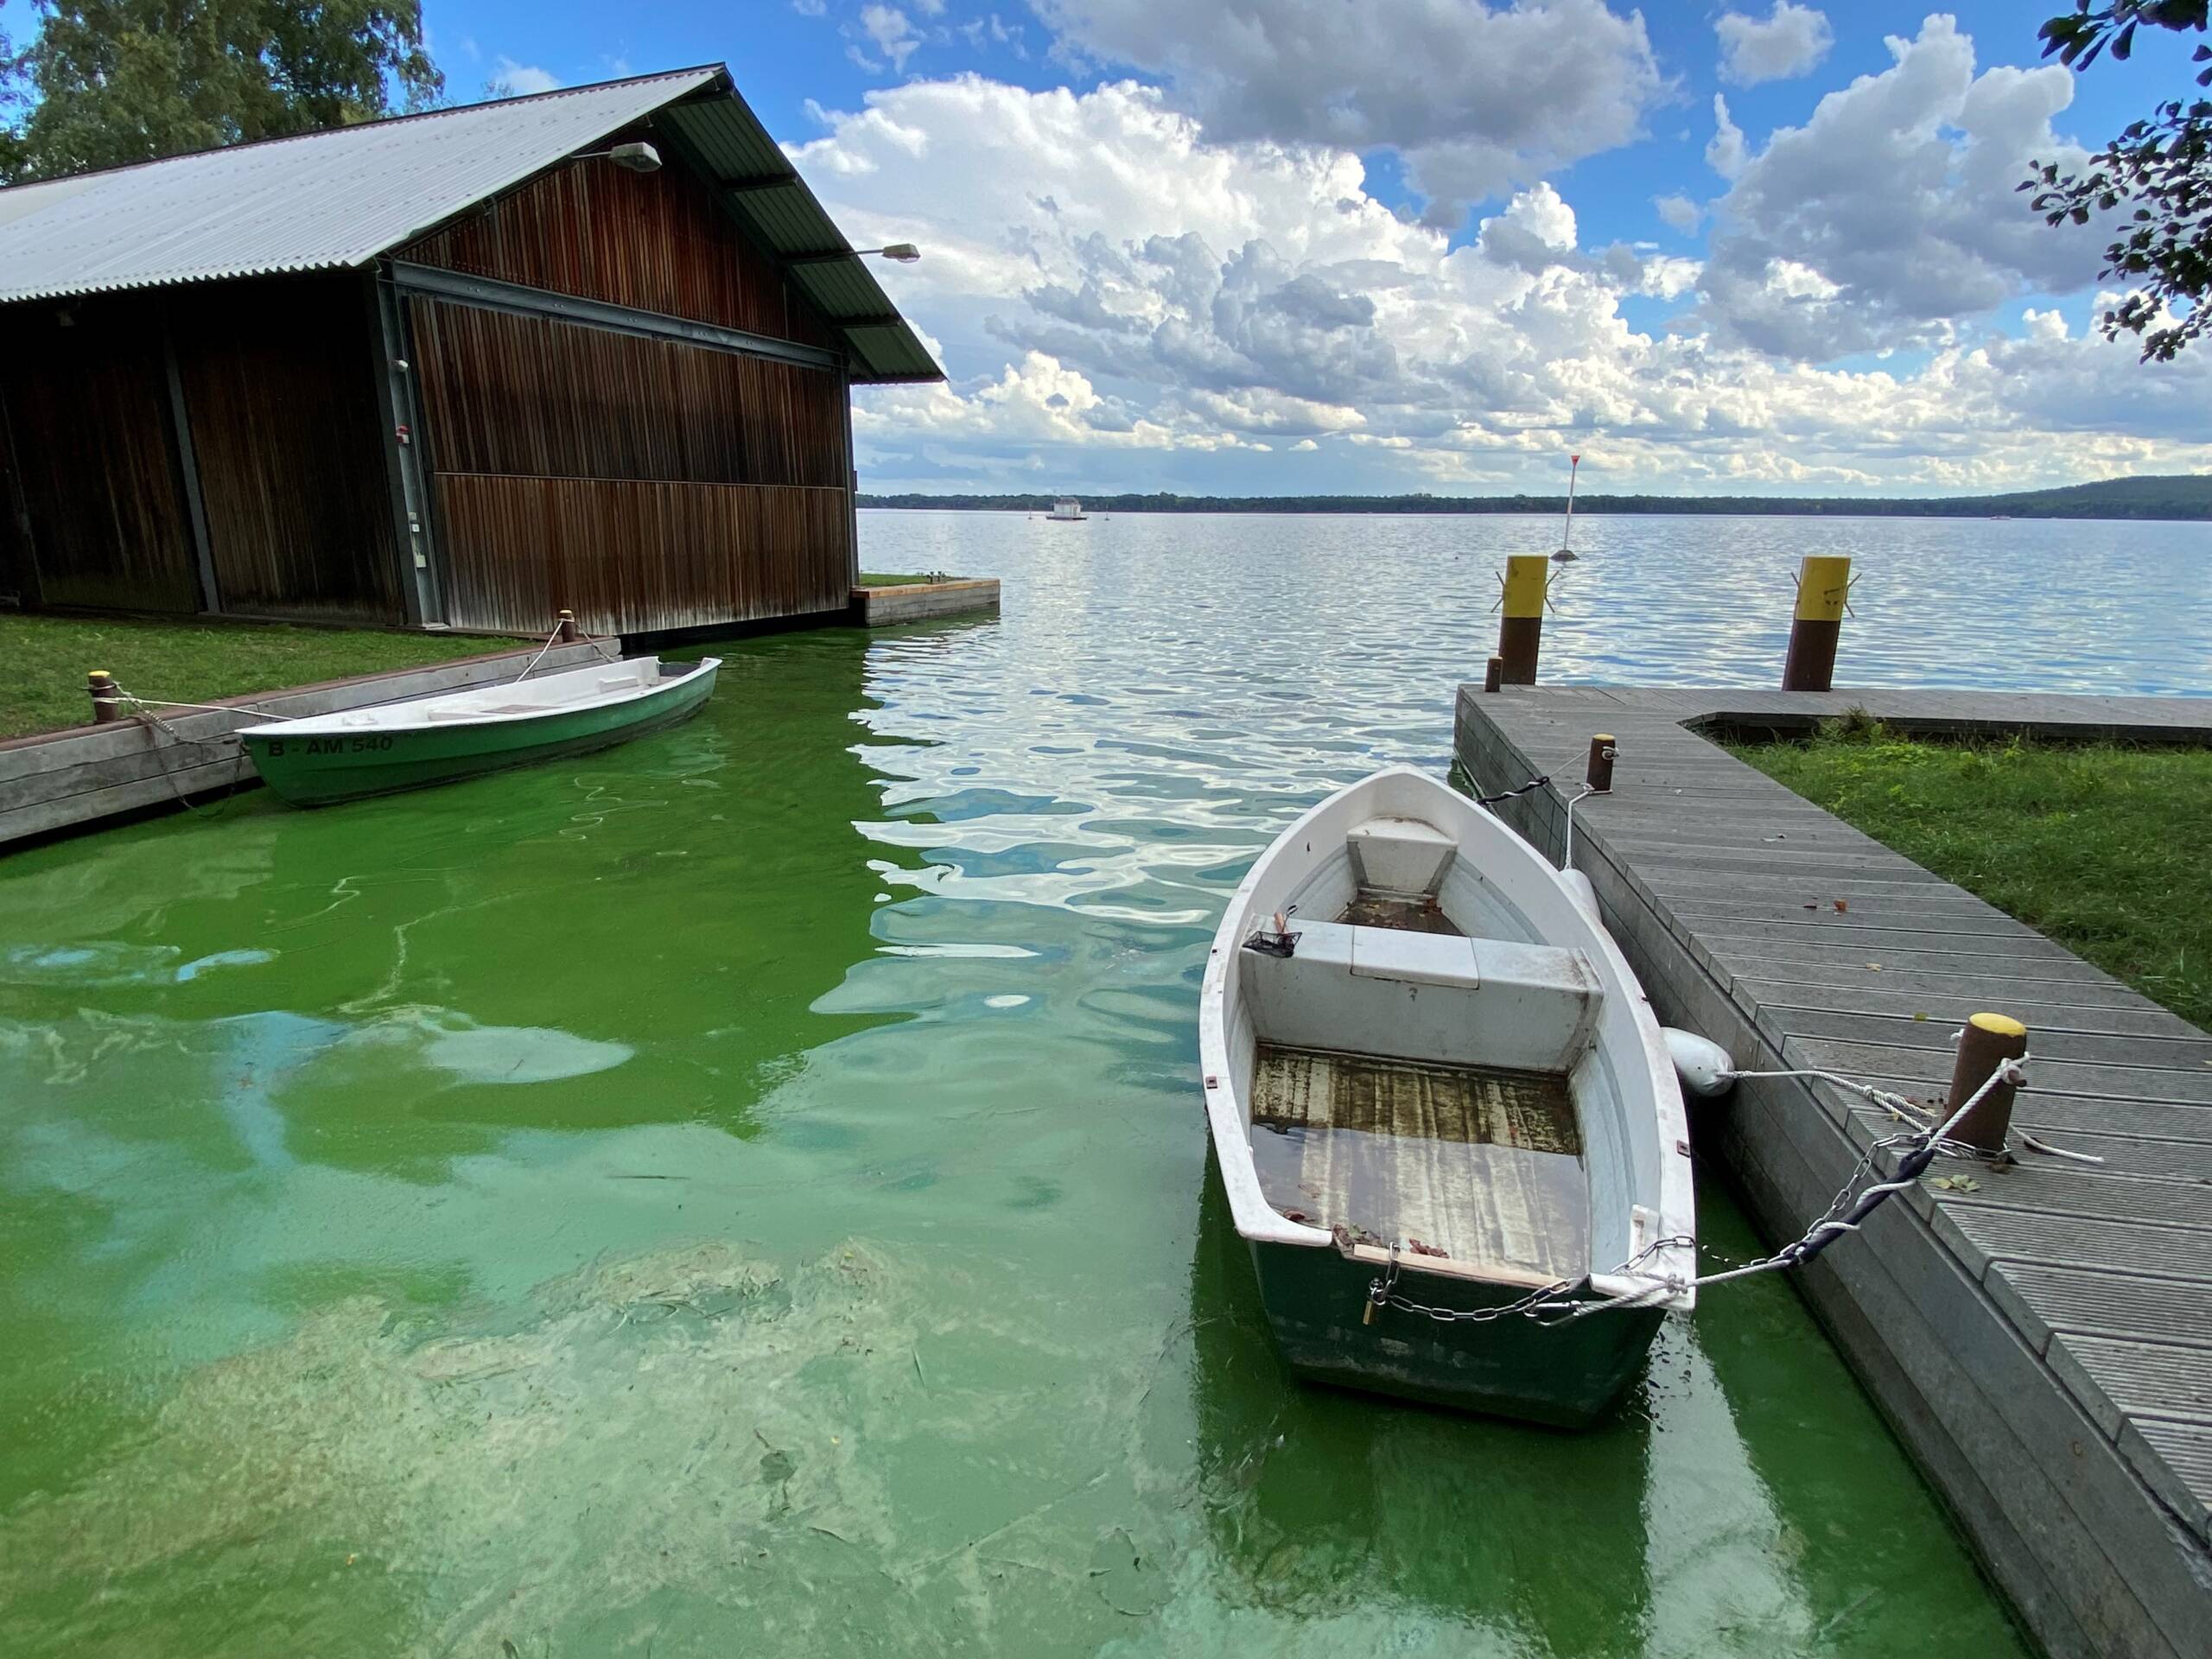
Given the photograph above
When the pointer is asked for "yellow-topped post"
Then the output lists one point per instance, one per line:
(1520, 630)
(106, 705)
(1823, 583)
(1988, 1042)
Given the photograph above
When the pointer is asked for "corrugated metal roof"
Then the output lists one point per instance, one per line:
(729, 144)
(331, 199)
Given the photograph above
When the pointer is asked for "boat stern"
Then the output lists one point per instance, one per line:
(1565, 1375)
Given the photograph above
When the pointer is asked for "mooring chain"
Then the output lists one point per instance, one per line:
(143, 707)
(1383, 1292)
(1847, 1213)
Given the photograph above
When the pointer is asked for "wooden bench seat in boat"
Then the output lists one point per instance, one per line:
(1442, 999)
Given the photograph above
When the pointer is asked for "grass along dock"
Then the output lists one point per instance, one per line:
(2038, 1339)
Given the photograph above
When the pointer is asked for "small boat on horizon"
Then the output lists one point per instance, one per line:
(326, 758)
(1444, 1115)
(1066, 510)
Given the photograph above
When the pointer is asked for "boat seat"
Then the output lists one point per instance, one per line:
(1432, 997)
(1405, 855)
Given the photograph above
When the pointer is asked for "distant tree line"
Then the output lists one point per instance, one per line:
(2184, 496)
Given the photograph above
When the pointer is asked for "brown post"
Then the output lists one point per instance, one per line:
(1823, 582)
(1520, 630)
(568, 629)
(1987, 1042)
(1493, 677)
(1601, 775)
(106, 705)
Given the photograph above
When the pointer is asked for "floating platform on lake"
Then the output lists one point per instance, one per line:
(923, 601)
(2042, 1344)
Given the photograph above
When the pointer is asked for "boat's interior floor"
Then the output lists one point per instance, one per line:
(1479, 1164)
(1419, 914)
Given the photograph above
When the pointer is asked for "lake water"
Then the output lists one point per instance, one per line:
(747, 1191)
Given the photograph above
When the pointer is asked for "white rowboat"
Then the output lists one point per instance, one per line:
(1449, 1095)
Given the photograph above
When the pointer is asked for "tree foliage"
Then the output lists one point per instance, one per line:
(109, 82)
(2158, 170)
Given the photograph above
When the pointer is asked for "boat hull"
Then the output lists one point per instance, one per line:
(1567, 1375)
(324, 770)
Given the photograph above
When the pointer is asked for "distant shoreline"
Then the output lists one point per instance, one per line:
(2183, 499)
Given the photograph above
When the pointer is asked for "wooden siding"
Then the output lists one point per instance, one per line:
(534, 397)
(278, 390)
(632, 557)
(644, 483)
(657, 241)
(88, 408)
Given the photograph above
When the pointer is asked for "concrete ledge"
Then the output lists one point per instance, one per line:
(57, 782)
(920, 601)
(2041, 1345)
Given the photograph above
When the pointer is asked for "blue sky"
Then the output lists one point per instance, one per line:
(1142, 271)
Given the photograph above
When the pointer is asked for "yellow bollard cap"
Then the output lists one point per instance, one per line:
(1823, 584)
(1526, 575)
(1999, 1025)
(99, 674)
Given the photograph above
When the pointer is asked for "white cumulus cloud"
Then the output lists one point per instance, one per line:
(521, 78)
(1899, 196)
(1789, 41)
(1477, 97)
(1728, 150)
(892, 33)
(1118, 296)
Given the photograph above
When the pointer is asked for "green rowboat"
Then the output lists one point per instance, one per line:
(326, 758)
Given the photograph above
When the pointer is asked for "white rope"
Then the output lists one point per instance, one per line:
(147, 705)
(1918, 1116)
(554, 639)
(1566, 862)
(551, 640)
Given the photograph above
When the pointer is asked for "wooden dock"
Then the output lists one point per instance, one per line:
(924, 602)
(2041, 1344)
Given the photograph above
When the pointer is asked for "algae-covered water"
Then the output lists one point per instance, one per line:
(746, 1192)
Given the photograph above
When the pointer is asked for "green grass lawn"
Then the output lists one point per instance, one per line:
(44, 659)
(2105, 848)
(872, 579)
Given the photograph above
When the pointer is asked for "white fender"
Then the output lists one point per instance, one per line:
(1584, 895)
(1701, 1063)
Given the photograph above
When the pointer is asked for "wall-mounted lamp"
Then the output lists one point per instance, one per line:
(904, 252)
(636, 156)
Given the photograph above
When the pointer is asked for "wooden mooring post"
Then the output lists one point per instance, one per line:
(1520, 629)
(566, 630)
(1988, 1042)
(1494, 675)
(106, 705)
(1823, 583)
(1599, 773)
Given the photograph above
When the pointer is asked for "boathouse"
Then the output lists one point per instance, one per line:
(590, 349)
